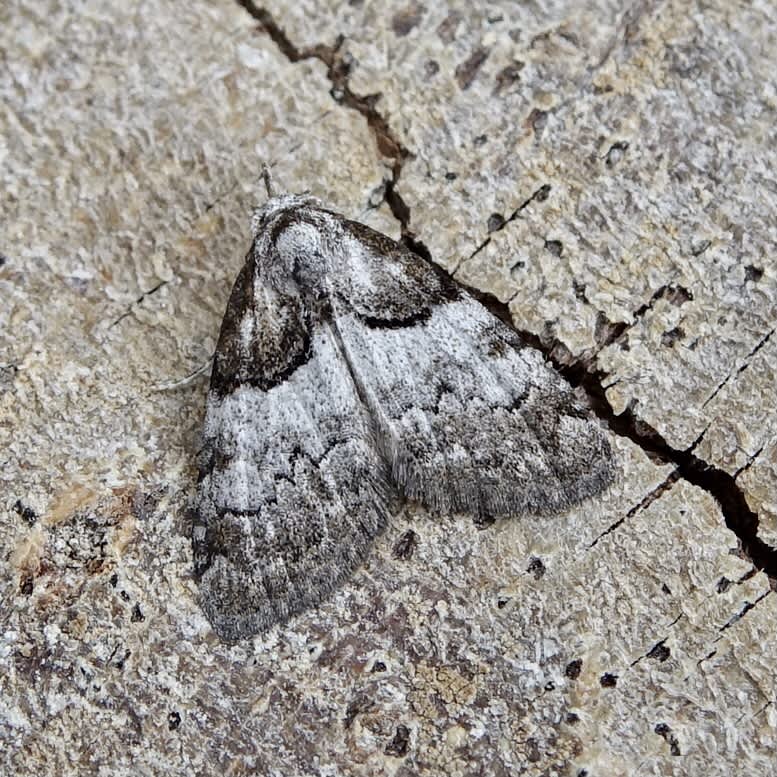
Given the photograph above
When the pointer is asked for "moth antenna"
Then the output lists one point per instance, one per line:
(268, 181)
(170, 385)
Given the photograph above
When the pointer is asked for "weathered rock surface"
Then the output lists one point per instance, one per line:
(606, 170)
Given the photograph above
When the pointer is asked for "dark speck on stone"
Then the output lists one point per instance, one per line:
(533, 753)
(659, 652)
(579, 289)
(538, 119)
(753, 273)
(678, 295)
(467, 70)
(27, 514)
(448, 26)
(536, 567)
(431, 68)
(573, 669)
(608, 680)
(542, 193)
(406, 19)
(123, 660)
(399, 744)
(495, 221)
(405, 546)
(554, 246)
(668, 339)
(507, 76)
(359, 704)
(664, 731)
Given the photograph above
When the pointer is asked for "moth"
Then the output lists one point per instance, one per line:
(350, 375)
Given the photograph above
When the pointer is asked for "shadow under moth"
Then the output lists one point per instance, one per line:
(349, 374)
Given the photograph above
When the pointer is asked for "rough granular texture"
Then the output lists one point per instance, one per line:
(605, 171)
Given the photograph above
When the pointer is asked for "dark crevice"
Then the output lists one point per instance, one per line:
(709, 655)
(760, 344)
(661, 489)
(742, 367)
(278, 36)
(718, 483)
(750, 461)
(540, 195)
(338, 71)
(717, 391)
(338, 67)
(722, 486)
(609, 333)
(138, 301)
(741, 614)
(659, 652)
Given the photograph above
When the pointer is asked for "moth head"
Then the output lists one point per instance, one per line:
(275, 206)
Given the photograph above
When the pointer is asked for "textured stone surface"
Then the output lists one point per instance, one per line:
(623, 145)
(605, 169)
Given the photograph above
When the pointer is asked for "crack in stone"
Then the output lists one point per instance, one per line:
(751, 459)
(659, 652)
(338, 71)
(742, 367)
(739, 517)
(613, 333)
(709, 655)
(137, 302)
(752, 572)
(758, 712)
(741, 614)
(540, 195)
(719, 484)
(681, 615)
(658, 491)
(673, 292)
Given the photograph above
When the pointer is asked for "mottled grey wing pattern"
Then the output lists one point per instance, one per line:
(348, 367)
(470, 419)
(289, 500)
